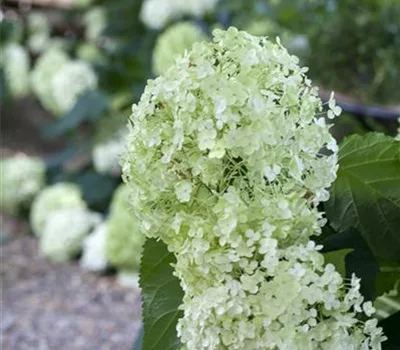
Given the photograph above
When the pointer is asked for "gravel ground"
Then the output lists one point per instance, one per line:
(59, 306)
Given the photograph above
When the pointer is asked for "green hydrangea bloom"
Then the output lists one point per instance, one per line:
(39, 32)
(41, 78)
(224, 163)
(124, 239)
(64, 232)
(22, 177)
(51, 199)
(95, 21)
(16, 63)
(173, 42)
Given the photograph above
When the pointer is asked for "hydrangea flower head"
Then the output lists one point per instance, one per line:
(173, 42)
(39, 32)
(227, 159)
(106, 154)
(64, 232)
(124, 240)
(48, 64)
(22, 177)
(51, 199)
(95, 21)
(72, 80)
(94, 249)
(157, 13)
(16, 63)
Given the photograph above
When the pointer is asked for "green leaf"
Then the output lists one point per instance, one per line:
(90, 106)
(161, 297)
(97, 189)
(390, 327)
(337, 258)
(366, 193)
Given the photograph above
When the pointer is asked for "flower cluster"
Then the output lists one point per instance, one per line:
(22, 177)
(228, 156)
(51, 199)
(16, 63)
(106, 154)
(64, 232)
(58, 81)
(398, 130)
(39, 32)
(94, 249)
(124, 239)
(157, 13)
(95, 21)
(72, 80)
(173, 42)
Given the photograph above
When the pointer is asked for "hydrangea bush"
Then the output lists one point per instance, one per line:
(124, 239)
(228, 157)
(22, 177)
(52, 199)
(173, 42)
(64, 232)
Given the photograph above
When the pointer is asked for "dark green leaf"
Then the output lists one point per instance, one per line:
(366, 193)
(90, 106)
(391, 329)
(161, 297)
(97, 189)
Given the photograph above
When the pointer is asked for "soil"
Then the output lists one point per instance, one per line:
(59, 306)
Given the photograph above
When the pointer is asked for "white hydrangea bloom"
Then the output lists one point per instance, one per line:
(94, 249)
(70, 81)
(398, 130)
(173, 42)
(65, 231)
(157, 13)
(39, 32)
(95, 21)
(42, 75)
(51, 199)
(16, 63)
(106, 155)
(22, 177)
(225, 164)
